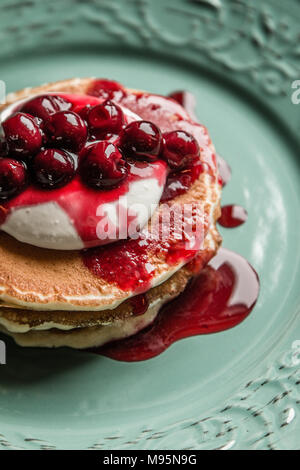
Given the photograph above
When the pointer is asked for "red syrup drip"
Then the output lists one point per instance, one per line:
(224, 293)
(233, 216)
(107, 89)
(224, 171)
(219, 298)
(187, 100)
(179, 182)
(139, 304)
(127, 263)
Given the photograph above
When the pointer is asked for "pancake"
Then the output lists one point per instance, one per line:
(19, 320)
(37, 281)
(82, 330)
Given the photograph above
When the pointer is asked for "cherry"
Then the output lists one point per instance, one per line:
(45, 105)
(53, 168)
(102, 166)
(82, 111)
(105, 118)
(141, 140)
(41, 125)
(67, 129)
(180, 149)
(3, 148)
(22, 134)
(107, 89)
(13, 177)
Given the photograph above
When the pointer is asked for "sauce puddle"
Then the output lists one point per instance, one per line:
(219, 298)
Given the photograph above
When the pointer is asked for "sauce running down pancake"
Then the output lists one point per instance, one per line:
(35, 278)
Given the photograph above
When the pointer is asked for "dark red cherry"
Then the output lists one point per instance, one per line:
(13, 178)
(180, 149)
(102, 166)
(41, 125)
(141, 140)
(107, 89)
(67, 129)
(105, 118)
(3, 148)
(82, 111)
(46, 105)
(22, 134)
(53, 168)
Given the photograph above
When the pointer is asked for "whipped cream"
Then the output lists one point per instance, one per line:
(47, 225)
(43, 225)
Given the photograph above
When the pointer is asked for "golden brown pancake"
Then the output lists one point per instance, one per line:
(22, 320)
(93, 329)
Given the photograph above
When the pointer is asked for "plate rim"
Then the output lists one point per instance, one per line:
(148, 36)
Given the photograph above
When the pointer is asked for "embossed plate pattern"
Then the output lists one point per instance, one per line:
(238, 389)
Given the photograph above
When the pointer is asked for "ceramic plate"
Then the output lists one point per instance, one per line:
(232, 390)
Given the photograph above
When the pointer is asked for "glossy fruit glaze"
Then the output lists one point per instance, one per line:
(127, 263)
(169, 115)
(83, 213)
(219, 298)
(62, 127)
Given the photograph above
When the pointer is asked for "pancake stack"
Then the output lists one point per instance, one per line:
(51, 298)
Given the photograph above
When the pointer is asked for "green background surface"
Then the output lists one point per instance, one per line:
(237, 389)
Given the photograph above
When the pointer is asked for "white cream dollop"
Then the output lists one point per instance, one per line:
(47, 225)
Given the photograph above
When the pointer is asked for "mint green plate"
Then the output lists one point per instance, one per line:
(233, 390)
